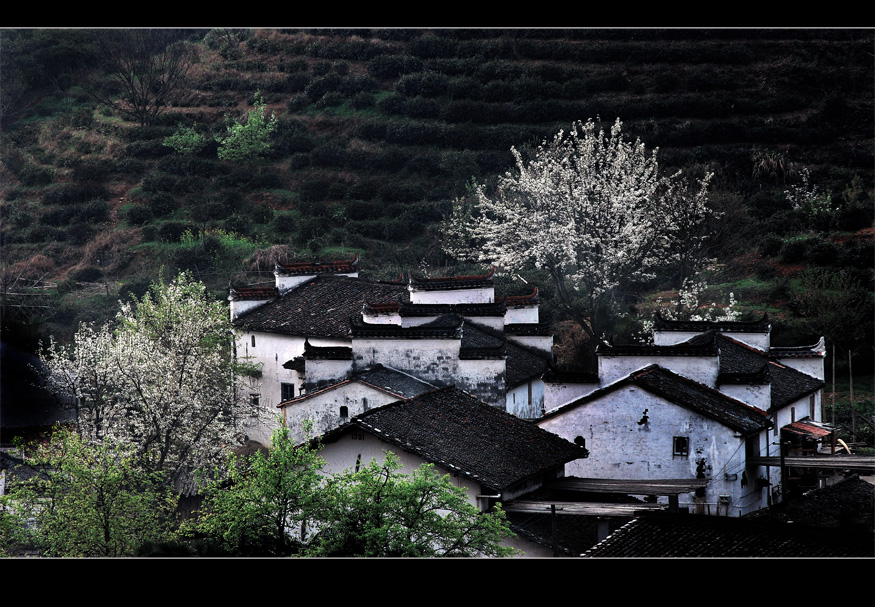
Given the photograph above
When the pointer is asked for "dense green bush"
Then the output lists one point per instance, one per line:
(136, 214)
(147, 149)
(172, 231)
(80, 233)
(35, 176)
(75, 193)
(286, 223)
(385, 67)
(425, 84)
(162, 203)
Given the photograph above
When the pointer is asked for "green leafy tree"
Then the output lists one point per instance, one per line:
(91, 499)
(379, 511)
(263, 506)
(160, 379)
(186, 141)
(13, 531)
(250, 139)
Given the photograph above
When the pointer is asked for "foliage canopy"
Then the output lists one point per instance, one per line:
(160, 379)
(590, 208)
(90, 499)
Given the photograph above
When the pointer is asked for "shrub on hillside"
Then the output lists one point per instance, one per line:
(425, 84)
(75, 193)
(387, 67)
(147, 149)
(172, 231)
(35, 176)
(162, 203)
(136, 214)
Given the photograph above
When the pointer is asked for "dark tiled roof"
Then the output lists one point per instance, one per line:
(307, 268)
(740, 363)
(539, 329)
(414, 310)
(789, 385)
(402, 384)
(565, 376)
(396, 383)
(817, 350)
(446, 326)
(754, 326)
(481, 342)
(253, 293)
(451, 428)
(326, 352)
(701, 345)
(685, 393)
(523, 364)
(452, 282)
(848, 503)
(520, 300)
(691, 535)
(321, 307)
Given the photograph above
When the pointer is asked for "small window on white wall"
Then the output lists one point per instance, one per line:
(253, 341)
(681, 446)
(287, 391)
(344, 411)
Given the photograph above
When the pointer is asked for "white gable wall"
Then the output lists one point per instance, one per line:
(270, 352)
(323, 408)
(522, 315)
(526, 400)
(453, 296)
(357, 445)
(812, 366)
(757, 340)
(698, 368)
(557, 394)
(630, 432)
(759, 396)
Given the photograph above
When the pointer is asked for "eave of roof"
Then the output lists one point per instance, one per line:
(451, 428)
(683, 392)
(754, 326)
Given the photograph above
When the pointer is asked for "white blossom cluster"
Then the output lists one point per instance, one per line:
(808, 197)
(161, 379)
(589, 207)
(687, 307)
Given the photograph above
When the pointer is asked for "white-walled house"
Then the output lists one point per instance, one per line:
(657, 424)
(320, 324)
(494, 455)
(643, 418)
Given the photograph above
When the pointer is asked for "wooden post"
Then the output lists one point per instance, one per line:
(853, 410)
(833, 386)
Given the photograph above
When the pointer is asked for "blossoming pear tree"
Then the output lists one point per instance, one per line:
(592, 209)
(161, 379)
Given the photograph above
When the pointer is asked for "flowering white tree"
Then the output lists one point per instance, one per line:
(688, 307)
(591, 209)
(161, 379)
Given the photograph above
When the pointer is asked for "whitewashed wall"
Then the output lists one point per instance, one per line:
(323, 408)
(356, 444)
(453, 296)
(759, 396)
(557, 394)
(757, 340)
(526, 400)
(702, 369)
(623, 445)
(813, 366)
